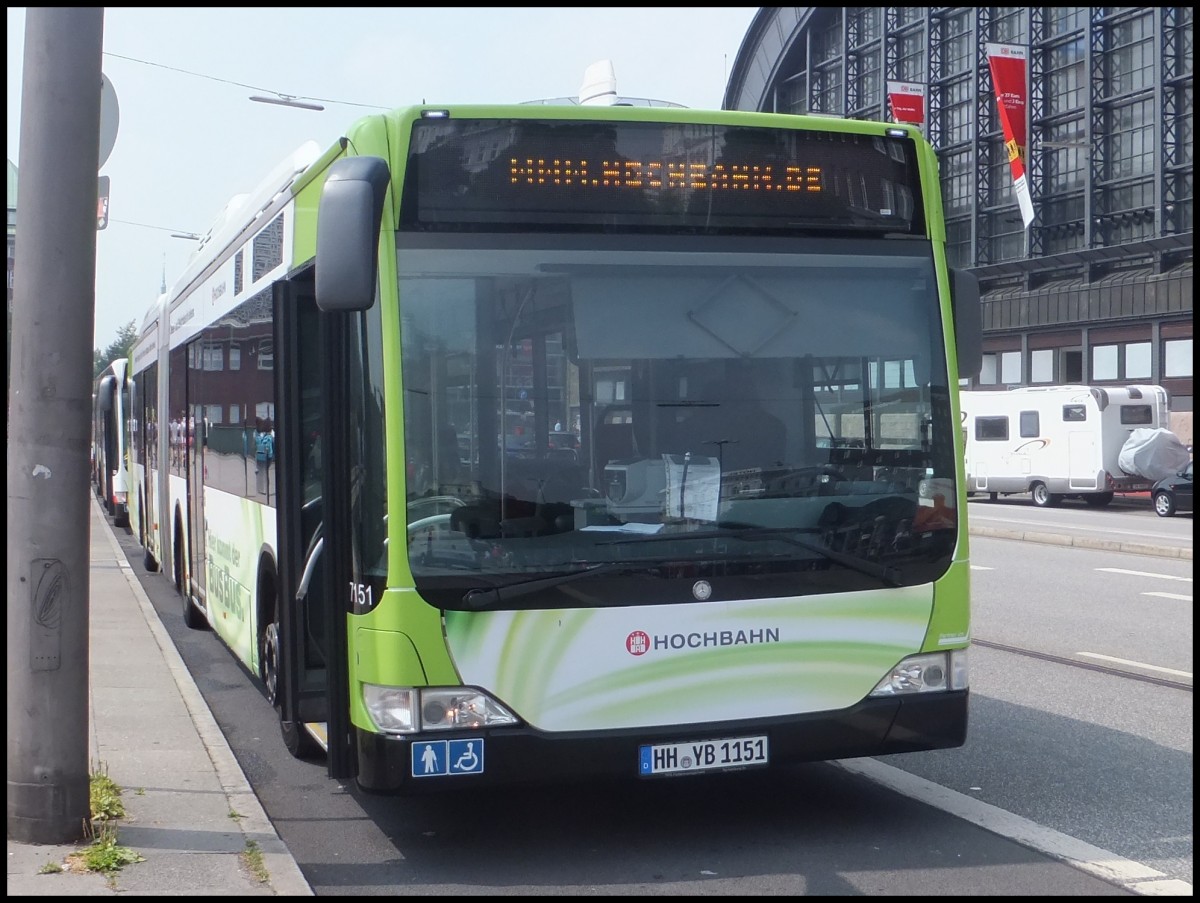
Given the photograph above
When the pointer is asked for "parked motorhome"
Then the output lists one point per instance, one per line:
(1057, 442)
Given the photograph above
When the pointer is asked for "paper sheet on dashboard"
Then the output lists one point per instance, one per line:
(693, 486)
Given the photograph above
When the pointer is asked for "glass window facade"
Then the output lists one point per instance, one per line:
(1110, 166)
(910, 62)
(1177, 358)
(1041, 366)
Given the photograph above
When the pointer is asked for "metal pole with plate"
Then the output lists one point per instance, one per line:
(109, 119)
(50, 405)
(102, 204)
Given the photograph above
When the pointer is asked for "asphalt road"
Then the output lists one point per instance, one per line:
(1081, 678)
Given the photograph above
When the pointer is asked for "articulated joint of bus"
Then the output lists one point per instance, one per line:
(407, 710)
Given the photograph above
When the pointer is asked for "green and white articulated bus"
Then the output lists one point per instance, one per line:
(609, 441)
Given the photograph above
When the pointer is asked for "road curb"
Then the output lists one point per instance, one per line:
(1082, 542)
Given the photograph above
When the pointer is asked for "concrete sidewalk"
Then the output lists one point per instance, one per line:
(189, 810)
(1157, 550)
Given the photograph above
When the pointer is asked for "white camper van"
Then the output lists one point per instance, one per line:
(1057, 442)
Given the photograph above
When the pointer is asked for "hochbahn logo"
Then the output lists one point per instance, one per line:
(639, 642)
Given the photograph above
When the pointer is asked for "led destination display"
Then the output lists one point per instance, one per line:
(479, 175)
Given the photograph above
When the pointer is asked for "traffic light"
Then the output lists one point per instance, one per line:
(102, 204)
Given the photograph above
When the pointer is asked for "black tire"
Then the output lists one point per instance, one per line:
(1164, 504)
(269, 661)
(1098, 499)
(148, 560)
(298, 741)
(993, 496)
(1043, 497)
(177, 560)
(192, 617)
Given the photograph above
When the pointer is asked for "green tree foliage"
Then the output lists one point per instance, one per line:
(120, 347)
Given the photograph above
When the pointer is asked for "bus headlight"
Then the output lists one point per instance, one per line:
(393, 709)
(405, 710)
(927, 673)
(444, 708)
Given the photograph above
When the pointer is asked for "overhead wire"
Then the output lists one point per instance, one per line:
(228, 81)
(148, 226)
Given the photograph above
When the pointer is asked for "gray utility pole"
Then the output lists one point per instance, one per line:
(50, 415)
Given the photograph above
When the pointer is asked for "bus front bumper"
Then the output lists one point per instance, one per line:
(516, 755)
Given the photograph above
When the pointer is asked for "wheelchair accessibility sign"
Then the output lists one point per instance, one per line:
(433, 758)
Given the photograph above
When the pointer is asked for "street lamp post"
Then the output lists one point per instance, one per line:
(286, 100)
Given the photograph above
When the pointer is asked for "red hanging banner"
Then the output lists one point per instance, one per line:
(908, 102)
(1009, 66)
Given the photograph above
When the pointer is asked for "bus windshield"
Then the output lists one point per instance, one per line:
(772, 411)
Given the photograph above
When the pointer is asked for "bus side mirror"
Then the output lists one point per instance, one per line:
(348, 222)
(104, 396)
(968, 322)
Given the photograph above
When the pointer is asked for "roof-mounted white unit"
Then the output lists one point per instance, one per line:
(599, 88)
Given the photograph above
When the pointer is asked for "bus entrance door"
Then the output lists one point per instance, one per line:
(310, 652)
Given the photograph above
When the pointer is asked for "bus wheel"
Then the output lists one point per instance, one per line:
(177, 560)
(1098, 499)
(269, 662)
(192, 617)
(148, 561)
(298, 740)
(295, 737)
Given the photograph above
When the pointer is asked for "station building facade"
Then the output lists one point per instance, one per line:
(1098, 290)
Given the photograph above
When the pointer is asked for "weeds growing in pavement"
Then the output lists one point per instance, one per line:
(104, 854)
(252, 858)
(105, 796)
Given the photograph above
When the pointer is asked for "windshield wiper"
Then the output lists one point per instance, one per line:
(886, 573)
(478, 599)
(726, 529)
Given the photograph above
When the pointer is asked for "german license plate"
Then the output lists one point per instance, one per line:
(702, 755)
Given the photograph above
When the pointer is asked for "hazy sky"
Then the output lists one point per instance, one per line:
(188, 141)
